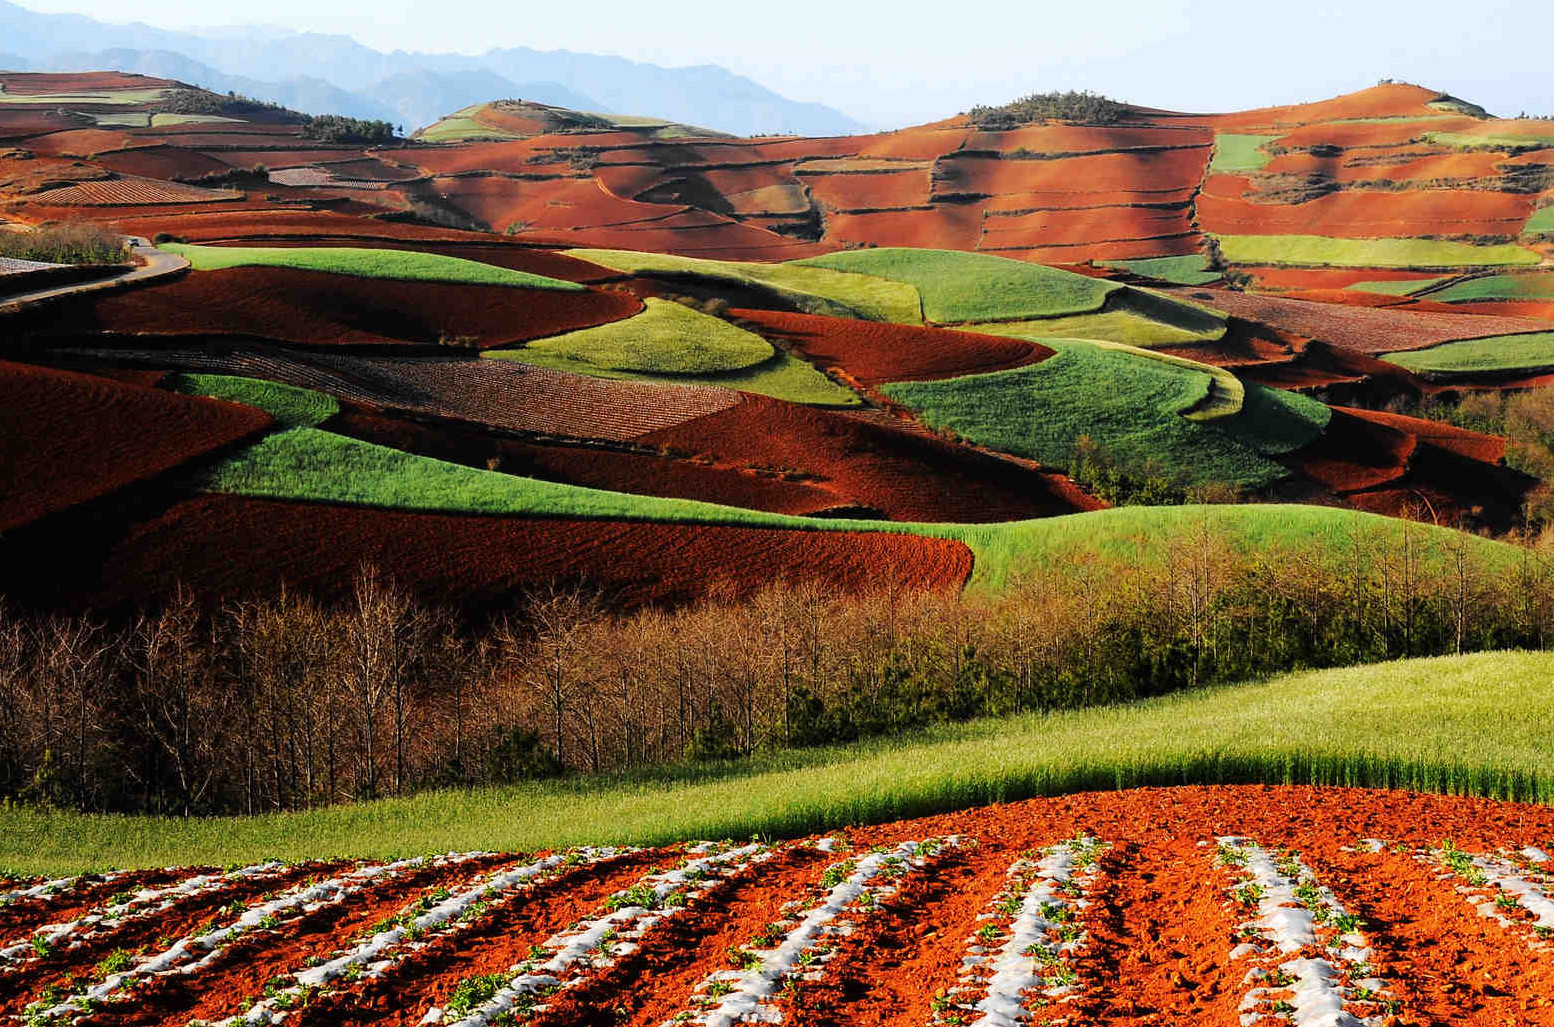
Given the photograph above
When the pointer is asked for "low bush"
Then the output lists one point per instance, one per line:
(67, 243)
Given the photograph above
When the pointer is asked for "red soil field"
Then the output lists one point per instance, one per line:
(1389, 101)
(1407, 165)
(1024, 203)
(1370, 135)
(287, 158)
(506, 156)
(1166, 246)
(871, 191)
(1354, 453)
(489, 394)
(129, 192)
(629, 180)
(688, 235)
(744, 178)
(1543, 310)
(84, 142)
(33, 83)
(1079, 227)
(1076, 139)
(1360, 214)
(228, 545)
(561, 203)
(924, 143)
(1279, 279)
(1349, 298)
(1364, 329)
(1159, 171)
(1487, 449)
(316, 308)
(73, 437)
(161, 162)
(17, 122)
(872, 353)
(1160, 931)
(624, 469)
(904, 475)
(947, 226)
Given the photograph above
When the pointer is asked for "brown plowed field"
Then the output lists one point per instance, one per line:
(42, 83)
(1489, 449)
(1370, 135)
(84, 142)
(1166, 246)
(945, 226)
(1082, 227)
(221, 546)
(161, 162)
(1158, 938)
(1409, 164)
(903, 475)
(1111, 172)
(1366, 213)
(1078, 139)
(73, 437)
(872, 191)
(321, 309)
(916, 143)
(872, 353)
(128, 192)
(1387, 101)
(1354, 453)
(1364, 329)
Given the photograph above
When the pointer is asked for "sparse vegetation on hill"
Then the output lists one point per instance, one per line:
(70, 243)
(229, 105)
(1084, 108)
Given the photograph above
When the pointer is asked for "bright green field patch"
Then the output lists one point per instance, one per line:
(1321, 251)
(666, 338)
(1498, 141)
(1236, 154)
(165, 120)
(963, 287)
(129, 119)
(811, 289)
(401, 265)
(1136, 317)
(1403, 288)
(1418, 724)
(1536, 286)
(1192, 269)
(290, 406)
(1531, 352)
(125, 97)
(462, 125)
(1132, 406)
(1541, 222)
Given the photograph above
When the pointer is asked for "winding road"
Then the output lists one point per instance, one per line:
(156, 265)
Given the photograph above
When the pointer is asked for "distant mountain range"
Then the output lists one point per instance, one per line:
(332, 74)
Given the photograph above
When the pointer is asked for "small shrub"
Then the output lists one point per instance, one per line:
(65, 243)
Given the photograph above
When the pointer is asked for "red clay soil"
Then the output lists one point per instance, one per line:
(903, 475)
(1371, 135)
(321, 309)
(23, 983)
(1067, 199)
(1471, 444)
(275, 160)
(944, 226)
(1078, 139)
(68, 437)
(1148, 171)
(1354, 453)
(83, 142)
(872, 353)
(1166, 246)
(1405, 164)
(629, 180)
(513, 156)
(237, 979)
(873, 191)
(485, 249)
(1542, 310)
(1281, 279)
(1372, 213)
(1388, 101)
(162, 162)
(1364, 329)
(1084, 226)
(649, 987)
(24, 916)
(558, 204)
(428, 977)
(1349, 298)
(636, 471)
(33, 83)
(220, 546)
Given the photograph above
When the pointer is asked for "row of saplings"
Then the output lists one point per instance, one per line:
(285, 702)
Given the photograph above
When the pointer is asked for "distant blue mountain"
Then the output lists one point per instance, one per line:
(319, 73)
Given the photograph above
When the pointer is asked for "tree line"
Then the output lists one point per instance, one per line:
(284, 702)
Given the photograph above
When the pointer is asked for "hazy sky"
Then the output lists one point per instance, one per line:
(896, 63)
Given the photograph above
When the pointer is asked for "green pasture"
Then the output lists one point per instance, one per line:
(1406, 287)
(1192, 269)
(1322, 251)
(1536, 286)
(399, 265)
(291, 407)
(665, 338)
(1530, 352)
(1237, 154)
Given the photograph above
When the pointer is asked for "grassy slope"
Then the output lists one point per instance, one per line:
(1499, 287)
(1421, 724)
(1130, 405)
(290, 406)
(1541, 222)
(401, 265)
(310, 464)
(963, 287)
(1510, 141)
(1322, 251)
(1404, 288)
(666, 338)
(1136, 317)
(1236, 154)
(813, 290)
(1192, 269)
(1502, 353)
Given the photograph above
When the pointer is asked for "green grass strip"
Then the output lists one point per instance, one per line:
(291, 407)
(1530, 352)
(1403, 288)
(1541, 222)
(400, 265)
(963, 287)
(1322, 251)
(1536, 286)
(1511, 141)
(665, 338)
(1192, 269)
(814, 290)
(1475, 725)
(1135, 317)
(1236, 154)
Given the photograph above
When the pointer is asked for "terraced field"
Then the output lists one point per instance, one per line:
(1287, 904)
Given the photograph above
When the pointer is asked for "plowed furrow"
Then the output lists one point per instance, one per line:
(429, 976)
(24, 915)
(239, 976)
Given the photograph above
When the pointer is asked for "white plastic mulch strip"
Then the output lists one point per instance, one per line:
(1514, 883)
(58, 886)
(1313, 964)
(138, 905)
(1029, 935)
(195, 952)
(416, 927)
(598, 943)
(744, 996)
